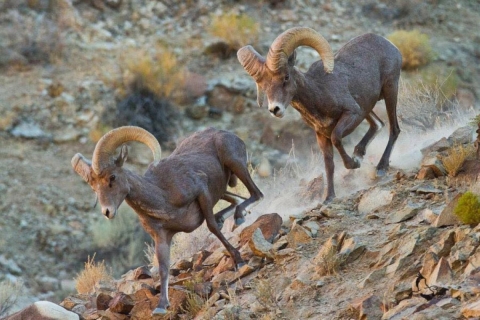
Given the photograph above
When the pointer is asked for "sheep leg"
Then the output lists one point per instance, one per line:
(163, 241)
(345, 125)
(255, 193)
(326, 146)
(375, 125)
(206, 206)
(390, 92)
(223, 214)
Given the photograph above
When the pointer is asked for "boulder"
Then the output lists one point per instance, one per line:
(44, 310)
(269, 224)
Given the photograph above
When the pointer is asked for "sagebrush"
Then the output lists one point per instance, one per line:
(414, 46)
(236, 30)
(9, 293)
(468, 208)
(455, 158)
(91, 275)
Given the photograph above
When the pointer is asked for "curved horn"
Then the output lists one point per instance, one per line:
(106, 146)
(251, 61)
(288, 41)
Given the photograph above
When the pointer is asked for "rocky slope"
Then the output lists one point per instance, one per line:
(49, 109)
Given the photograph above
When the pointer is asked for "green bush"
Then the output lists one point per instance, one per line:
(468, 208)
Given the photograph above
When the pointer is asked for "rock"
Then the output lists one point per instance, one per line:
(369, 307)
(351, 250)
(142, 273)
(215, 257)
(183, 264)
(441, 145)
(426, 173)
(373, 277)
(471, 310)
(259, 246)
(264, 169)
(297, 236)
(463, 135)
(442, 275)
(404, 214)
(374, 199)
(130, 287)
(433, 162)
(28, 130)
(269, 225)
(447, 217)
(404, 309)
(44, 310)
(121, 303)
(103, 301)
(10, 266)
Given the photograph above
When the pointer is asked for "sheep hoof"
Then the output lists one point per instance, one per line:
(381, 173)
(159, 311)
(239, 221)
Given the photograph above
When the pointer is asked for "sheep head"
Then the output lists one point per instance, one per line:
(273, 75)
(105, 174)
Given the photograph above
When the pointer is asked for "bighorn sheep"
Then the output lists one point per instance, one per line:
(176, 194)
(331, 101)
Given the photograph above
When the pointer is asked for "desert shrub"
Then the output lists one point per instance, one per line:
(121, 241)
(414, 47)
(146, 110)
(9, 293)
(159, 72)
(455, 158)
(37, 39)
(424, 106)
(468, 208)
(91, 275)
(236, 30)
(147, 87)
(437, 77)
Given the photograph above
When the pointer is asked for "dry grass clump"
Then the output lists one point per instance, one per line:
(455, 158)
(424, 106)
(414, 47)
(236, 30)
(157, 71)
(9, 293)
(94, 272)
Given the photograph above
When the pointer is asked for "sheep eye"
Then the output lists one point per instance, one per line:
(112, 178)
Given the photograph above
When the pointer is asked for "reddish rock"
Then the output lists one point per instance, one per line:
(121, 303)
(142, 273)
(198, 259)
(103, 301)
(269, 224)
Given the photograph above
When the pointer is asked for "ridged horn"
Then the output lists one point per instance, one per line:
(106, 146)
(251, 61)
(284, 45)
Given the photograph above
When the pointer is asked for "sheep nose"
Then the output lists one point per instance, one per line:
(275, 110)
(106, 213)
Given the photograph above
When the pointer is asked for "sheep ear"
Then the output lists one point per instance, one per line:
(82, 166)
(122, 157)
(292, 59)
(261, 96)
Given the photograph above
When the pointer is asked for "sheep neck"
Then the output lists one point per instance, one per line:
(145, 197)
(309, 102)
